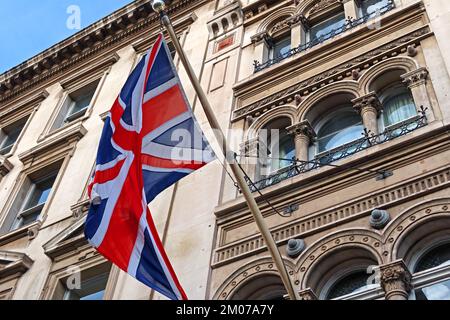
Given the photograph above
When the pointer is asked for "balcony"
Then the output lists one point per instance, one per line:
(344, 151)
(350, 24)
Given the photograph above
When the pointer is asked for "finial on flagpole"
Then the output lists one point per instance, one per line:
(158, 5)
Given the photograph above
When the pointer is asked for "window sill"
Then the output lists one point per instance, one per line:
(29, 231)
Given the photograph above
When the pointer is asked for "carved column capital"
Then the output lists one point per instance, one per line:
(303, 129)
(307, 294)
(296, 19)
(249, 147)
(415, 78)
(395, 280)
(257, 38)
(369, 102)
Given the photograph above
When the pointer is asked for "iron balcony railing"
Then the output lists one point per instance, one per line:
(326, 158)
(348, 25)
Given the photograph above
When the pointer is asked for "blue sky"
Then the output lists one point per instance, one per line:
(28, 27)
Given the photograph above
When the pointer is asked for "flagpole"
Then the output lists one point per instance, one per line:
(159, 6)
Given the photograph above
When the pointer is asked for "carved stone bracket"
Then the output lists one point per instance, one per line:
(259, 37)
(5, 166)
(395, 280)
(415, 78)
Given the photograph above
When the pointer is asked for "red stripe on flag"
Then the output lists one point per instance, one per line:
(161, 250)
(162, 108)
(170, 164)
(108, 174)
(121, 235)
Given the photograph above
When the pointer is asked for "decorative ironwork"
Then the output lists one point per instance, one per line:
(350, 23)
(326, 158)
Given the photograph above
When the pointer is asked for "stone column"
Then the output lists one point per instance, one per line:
(259, 42)
(417, 82)
(395, 280)
(369, 108)
(303, 136)
(298, 34)
(350, 9)
(249, 162)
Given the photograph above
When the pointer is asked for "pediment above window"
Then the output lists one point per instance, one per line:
(13, 264)
(68, 241)
(61, 143)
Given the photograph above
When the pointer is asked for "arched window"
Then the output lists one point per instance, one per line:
(436, 257)
(339, 128)
(352, 282)
(396, 99)
(265, 287)
(280, 147)
(398, 105)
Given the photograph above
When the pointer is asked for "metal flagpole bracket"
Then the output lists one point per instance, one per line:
(159, 7)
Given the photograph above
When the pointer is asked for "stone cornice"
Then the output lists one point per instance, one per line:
(94, 39)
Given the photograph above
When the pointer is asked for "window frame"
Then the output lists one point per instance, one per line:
(322, 21)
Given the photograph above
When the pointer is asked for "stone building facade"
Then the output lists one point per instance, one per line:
(358, 90)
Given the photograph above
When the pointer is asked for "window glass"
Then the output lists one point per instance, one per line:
(370, 7)
(351, 283)
(281, 48)
(399, 107)
(32, 208)
(323, 29)
(436, 257)
(287, 151)
(79, 101)
(438, 291)
(9, 136)
(92, 288)
(338, 130)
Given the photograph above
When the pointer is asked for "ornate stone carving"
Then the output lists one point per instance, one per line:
(416, 77)
(303, 128)
(307, 294)
(368, 101)
(259, 37)
(395, 280)
(323, 4)
(249, 147)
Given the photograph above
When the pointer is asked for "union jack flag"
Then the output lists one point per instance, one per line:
(150, 140)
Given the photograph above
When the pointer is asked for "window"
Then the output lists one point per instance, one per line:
(280, 47)
(326, 29)
(351, 283)
(371, 7)
(434, 258)
(90, 289)
(75, 105)
(280, 145)
(80, 282)
(37, 195)
(9, 135)
(398, 106)
(343, 127)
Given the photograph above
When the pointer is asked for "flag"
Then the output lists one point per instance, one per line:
(150, 140)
